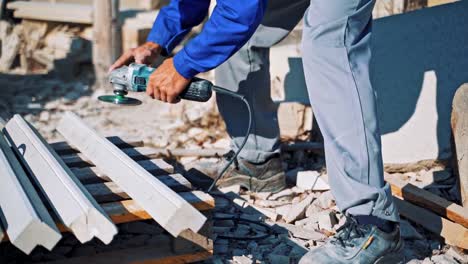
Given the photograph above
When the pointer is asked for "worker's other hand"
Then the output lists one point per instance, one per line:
(166, 84)
(144, 54)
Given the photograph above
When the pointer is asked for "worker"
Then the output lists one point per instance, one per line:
(336, 52)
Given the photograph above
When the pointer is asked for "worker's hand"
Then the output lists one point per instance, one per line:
(144, 54)
(165, 83)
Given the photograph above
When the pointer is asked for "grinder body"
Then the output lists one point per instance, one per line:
(135, 78)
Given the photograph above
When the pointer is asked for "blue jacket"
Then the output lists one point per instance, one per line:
(230, 26)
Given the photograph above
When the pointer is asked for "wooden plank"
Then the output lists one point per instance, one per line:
(156, 167)
(110, 192)
(428, 200)
(165, 206)
(59, 12)
(27, 220)
(71, 201)
(141, 153)
(129, 211)
(63, 148)
(460, 134)
(431, 3)
(454, 234)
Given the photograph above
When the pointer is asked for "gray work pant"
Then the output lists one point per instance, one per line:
(336, 54)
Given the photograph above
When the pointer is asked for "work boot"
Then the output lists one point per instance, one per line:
(257, 177)
(359, 244)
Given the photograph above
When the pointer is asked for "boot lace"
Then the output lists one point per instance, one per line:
(348, 232)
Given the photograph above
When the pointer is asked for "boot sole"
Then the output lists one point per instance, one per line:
(273, 184)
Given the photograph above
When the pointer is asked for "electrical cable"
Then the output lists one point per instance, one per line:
(249, 127)
(238, 219)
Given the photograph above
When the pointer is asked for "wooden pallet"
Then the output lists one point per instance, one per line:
(188, 247)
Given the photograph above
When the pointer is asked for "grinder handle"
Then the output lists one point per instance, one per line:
(199, 90)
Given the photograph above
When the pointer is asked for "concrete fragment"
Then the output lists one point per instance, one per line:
(311, 180)
(300, 232)
(284, 193)
(325, 200)
(261, 195)
(283, 210)
(241, 259)
(297, 211)
(313, 209)
(463, 258)
(327, 221)
(270, 204)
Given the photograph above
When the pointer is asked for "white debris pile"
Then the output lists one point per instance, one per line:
(300, 220)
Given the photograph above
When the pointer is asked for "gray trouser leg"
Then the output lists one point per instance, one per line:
(248, 73)
(336, 54)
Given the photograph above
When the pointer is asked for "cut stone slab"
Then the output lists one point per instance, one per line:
(76, 208)
(298, 210)
(27, 220)
(311, 180)
(166, 207)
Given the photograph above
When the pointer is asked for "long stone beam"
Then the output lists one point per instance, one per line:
(165, 206)
(75, 207)
(27, 221)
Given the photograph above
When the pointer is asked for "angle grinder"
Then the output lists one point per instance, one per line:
(134, 78)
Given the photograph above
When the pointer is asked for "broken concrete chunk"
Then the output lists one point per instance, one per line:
(311, 180)
(325, 200)
(299, 232)
(283, 210)
(288, 193)
(297, 211)
(312, 210)
(242, 260)
(327, 221)
(261, 195)
(270, 204)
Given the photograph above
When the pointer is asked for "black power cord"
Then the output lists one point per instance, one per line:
(238, 219)
(220, 90)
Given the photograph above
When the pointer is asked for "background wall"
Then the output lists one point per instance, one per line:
(420, 59)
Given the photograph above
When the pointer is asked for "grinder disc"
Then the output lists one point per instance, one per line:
(119, 100)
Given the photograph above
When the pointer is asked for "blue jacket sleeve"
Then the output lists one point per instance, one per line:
(175, 20)
(230, 26)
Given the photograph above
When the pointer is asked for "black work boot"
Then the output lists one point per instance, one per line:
(257, 177)
(357, 243)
